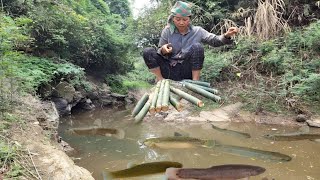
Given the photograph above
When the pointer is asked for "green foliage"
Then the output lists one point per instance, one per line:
(308, 88)
(6, 119)
(116, 83)
(102, 6)
(140, 71)
(97, 35)
(16, 171)
(10, 117)
(13, 33)
(214, 64)
(73, 74)
(131, 85)
(121, 7)
(267, 46)
(277, 61)
(148, 26)
(27, 73)
(139, 77)
(306, 39)
(9, 153)
(83, 32)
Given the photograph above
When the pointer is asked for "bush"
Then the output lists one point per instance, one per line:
(213, 65)
(308, 88)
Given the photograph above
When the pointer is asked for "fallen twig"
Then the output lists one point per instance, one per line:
(34, 164)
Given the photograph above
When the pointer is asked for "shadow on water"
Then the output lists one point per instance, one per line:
(99, 153)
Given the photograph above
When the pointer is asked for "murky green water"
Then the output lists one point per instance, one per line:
(97, 153)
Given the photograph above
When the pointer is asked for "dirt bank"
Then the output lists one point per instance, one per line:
(37, 137)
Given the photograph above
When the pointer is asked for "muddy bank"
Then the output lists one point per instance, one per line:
(37, 136)
(230, 113)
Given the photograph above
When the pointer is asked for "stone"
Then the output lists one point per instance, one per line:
(233, 109)
(45, 91)
(62, 106)
(197, 119)
(217, 115)
(314, 122)
(65, 90)
(118, 96)
(301, 118)
(86, 104)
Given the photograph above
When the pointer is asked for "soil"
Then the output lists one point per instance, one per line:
(38, 139)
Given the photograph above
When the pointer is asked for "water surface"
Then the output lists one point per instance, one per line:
(97, 153)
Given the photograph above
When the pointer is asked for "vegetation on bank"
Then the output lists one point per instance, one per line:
(274, 62)
(273, 65)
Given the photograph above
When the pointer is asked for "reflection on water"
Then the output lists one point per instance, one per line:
(98, 153)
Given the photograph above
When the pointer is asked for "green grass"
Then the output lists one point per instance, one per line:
(9, 153)
(136, 84)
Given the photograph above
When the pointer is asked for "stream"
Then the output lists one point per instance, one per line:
(104, 153)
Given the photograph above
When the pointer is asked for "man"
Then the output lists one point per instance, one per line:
(181, 54)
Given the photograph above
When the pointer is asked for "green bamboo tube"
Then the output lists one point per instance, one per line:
(187, 96)
(214, 91)
(140, 104)
(202, 92)
(165, 96)
(159, 99)
(152, 108)
(175, 103)
(142, 112)
(201, 83)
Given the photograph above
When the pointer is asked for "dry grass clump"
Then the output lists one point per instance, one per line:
(268, 20)
(15, 161)
(224, 25)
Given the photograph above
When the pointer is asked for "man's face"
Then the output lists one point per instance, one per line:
(181, 22)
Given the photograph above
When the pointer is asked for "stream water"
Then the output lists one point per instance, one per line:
(100, 153)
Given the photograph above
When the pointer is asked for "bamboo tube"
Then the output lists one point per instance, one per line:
(201, 83)
(140, 104)
(142, 112)
(202, 92)
(159, 99)
(175, 103)
(152, 108)
(187, 96)
(212, 90)
(165, 96)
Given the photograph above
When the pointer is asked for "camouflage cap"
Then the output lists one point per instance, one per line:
(181, 9)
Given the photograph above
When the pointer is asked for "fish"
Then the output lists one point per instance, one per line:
(142, 170)
(177, 142)
(98, 131)
(292, 136)
(253, 153)
(232, 132)
(221, 172)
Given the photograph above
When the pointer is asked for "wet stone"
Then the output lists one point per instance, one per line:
(301, 118)
(314, 122)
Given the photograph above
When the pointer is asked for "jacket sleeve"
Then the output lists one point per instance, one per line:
(214, 40)
(163, 39)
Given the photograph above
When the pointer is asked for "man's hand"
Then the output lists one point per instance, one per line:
(231, 32)
(166, 49)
